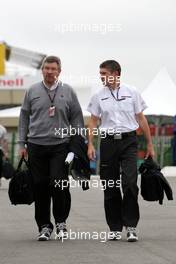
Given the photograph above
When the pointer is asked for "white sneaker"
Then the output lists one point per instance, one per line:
(61, 231)
(114, 235)
(45, 234)
(131, 234)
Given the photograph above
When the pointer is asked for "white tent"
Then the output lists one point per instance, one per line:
(160, 95)
(9, 117)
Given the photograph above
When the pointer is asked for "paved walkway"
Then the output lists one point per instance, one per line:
(156, 245)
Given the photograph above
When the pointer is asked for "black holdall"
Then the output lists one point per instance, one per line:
(20, 186)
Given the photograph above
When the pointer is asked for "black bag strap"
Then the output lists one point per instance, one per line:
(21, 162)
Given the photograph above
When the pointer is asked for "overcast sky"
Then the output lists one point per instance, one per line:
(142, 36)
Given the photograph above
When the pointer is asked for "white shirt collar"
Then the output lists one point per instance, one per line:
(114, 91)
(53, 87)
(109, 88)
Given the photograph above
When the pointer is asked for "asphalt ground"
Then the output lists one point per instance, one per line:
(156, 231)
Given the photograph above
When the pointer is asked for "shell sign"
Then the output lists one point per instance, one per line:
(2, 59)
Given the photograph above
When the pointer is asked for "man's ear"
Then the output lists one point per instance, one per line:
(116, 73)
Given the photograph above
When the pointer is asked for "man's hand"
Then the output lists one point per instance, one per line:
(91, 152)
(5, 155)
(143, 123)
(150, 151)
(92, 124)
(23, 152)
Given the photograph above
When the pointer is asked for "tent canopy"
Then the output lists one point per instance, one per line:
(9, 117)
(160, 95)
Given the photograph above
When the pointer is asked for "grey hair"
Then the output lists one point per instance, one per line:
(51, 59)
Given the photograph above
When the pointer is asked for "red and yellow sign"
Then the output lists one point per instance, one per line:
(2, 59)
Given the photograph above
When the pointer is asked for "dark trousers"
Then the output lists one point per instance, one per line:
(116, 155)
(48, 171)
(1, 161)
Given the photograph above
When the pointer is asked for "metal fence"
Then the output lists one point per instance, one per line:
(162, 144)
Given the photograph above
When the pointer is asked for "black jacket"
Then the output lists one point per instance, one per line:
(80, 167)
(153, 183)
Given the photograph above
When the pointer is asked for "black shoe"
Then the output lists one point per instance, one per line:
(114, 235)
(45, 234)
(61, 231)
(131, 234)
